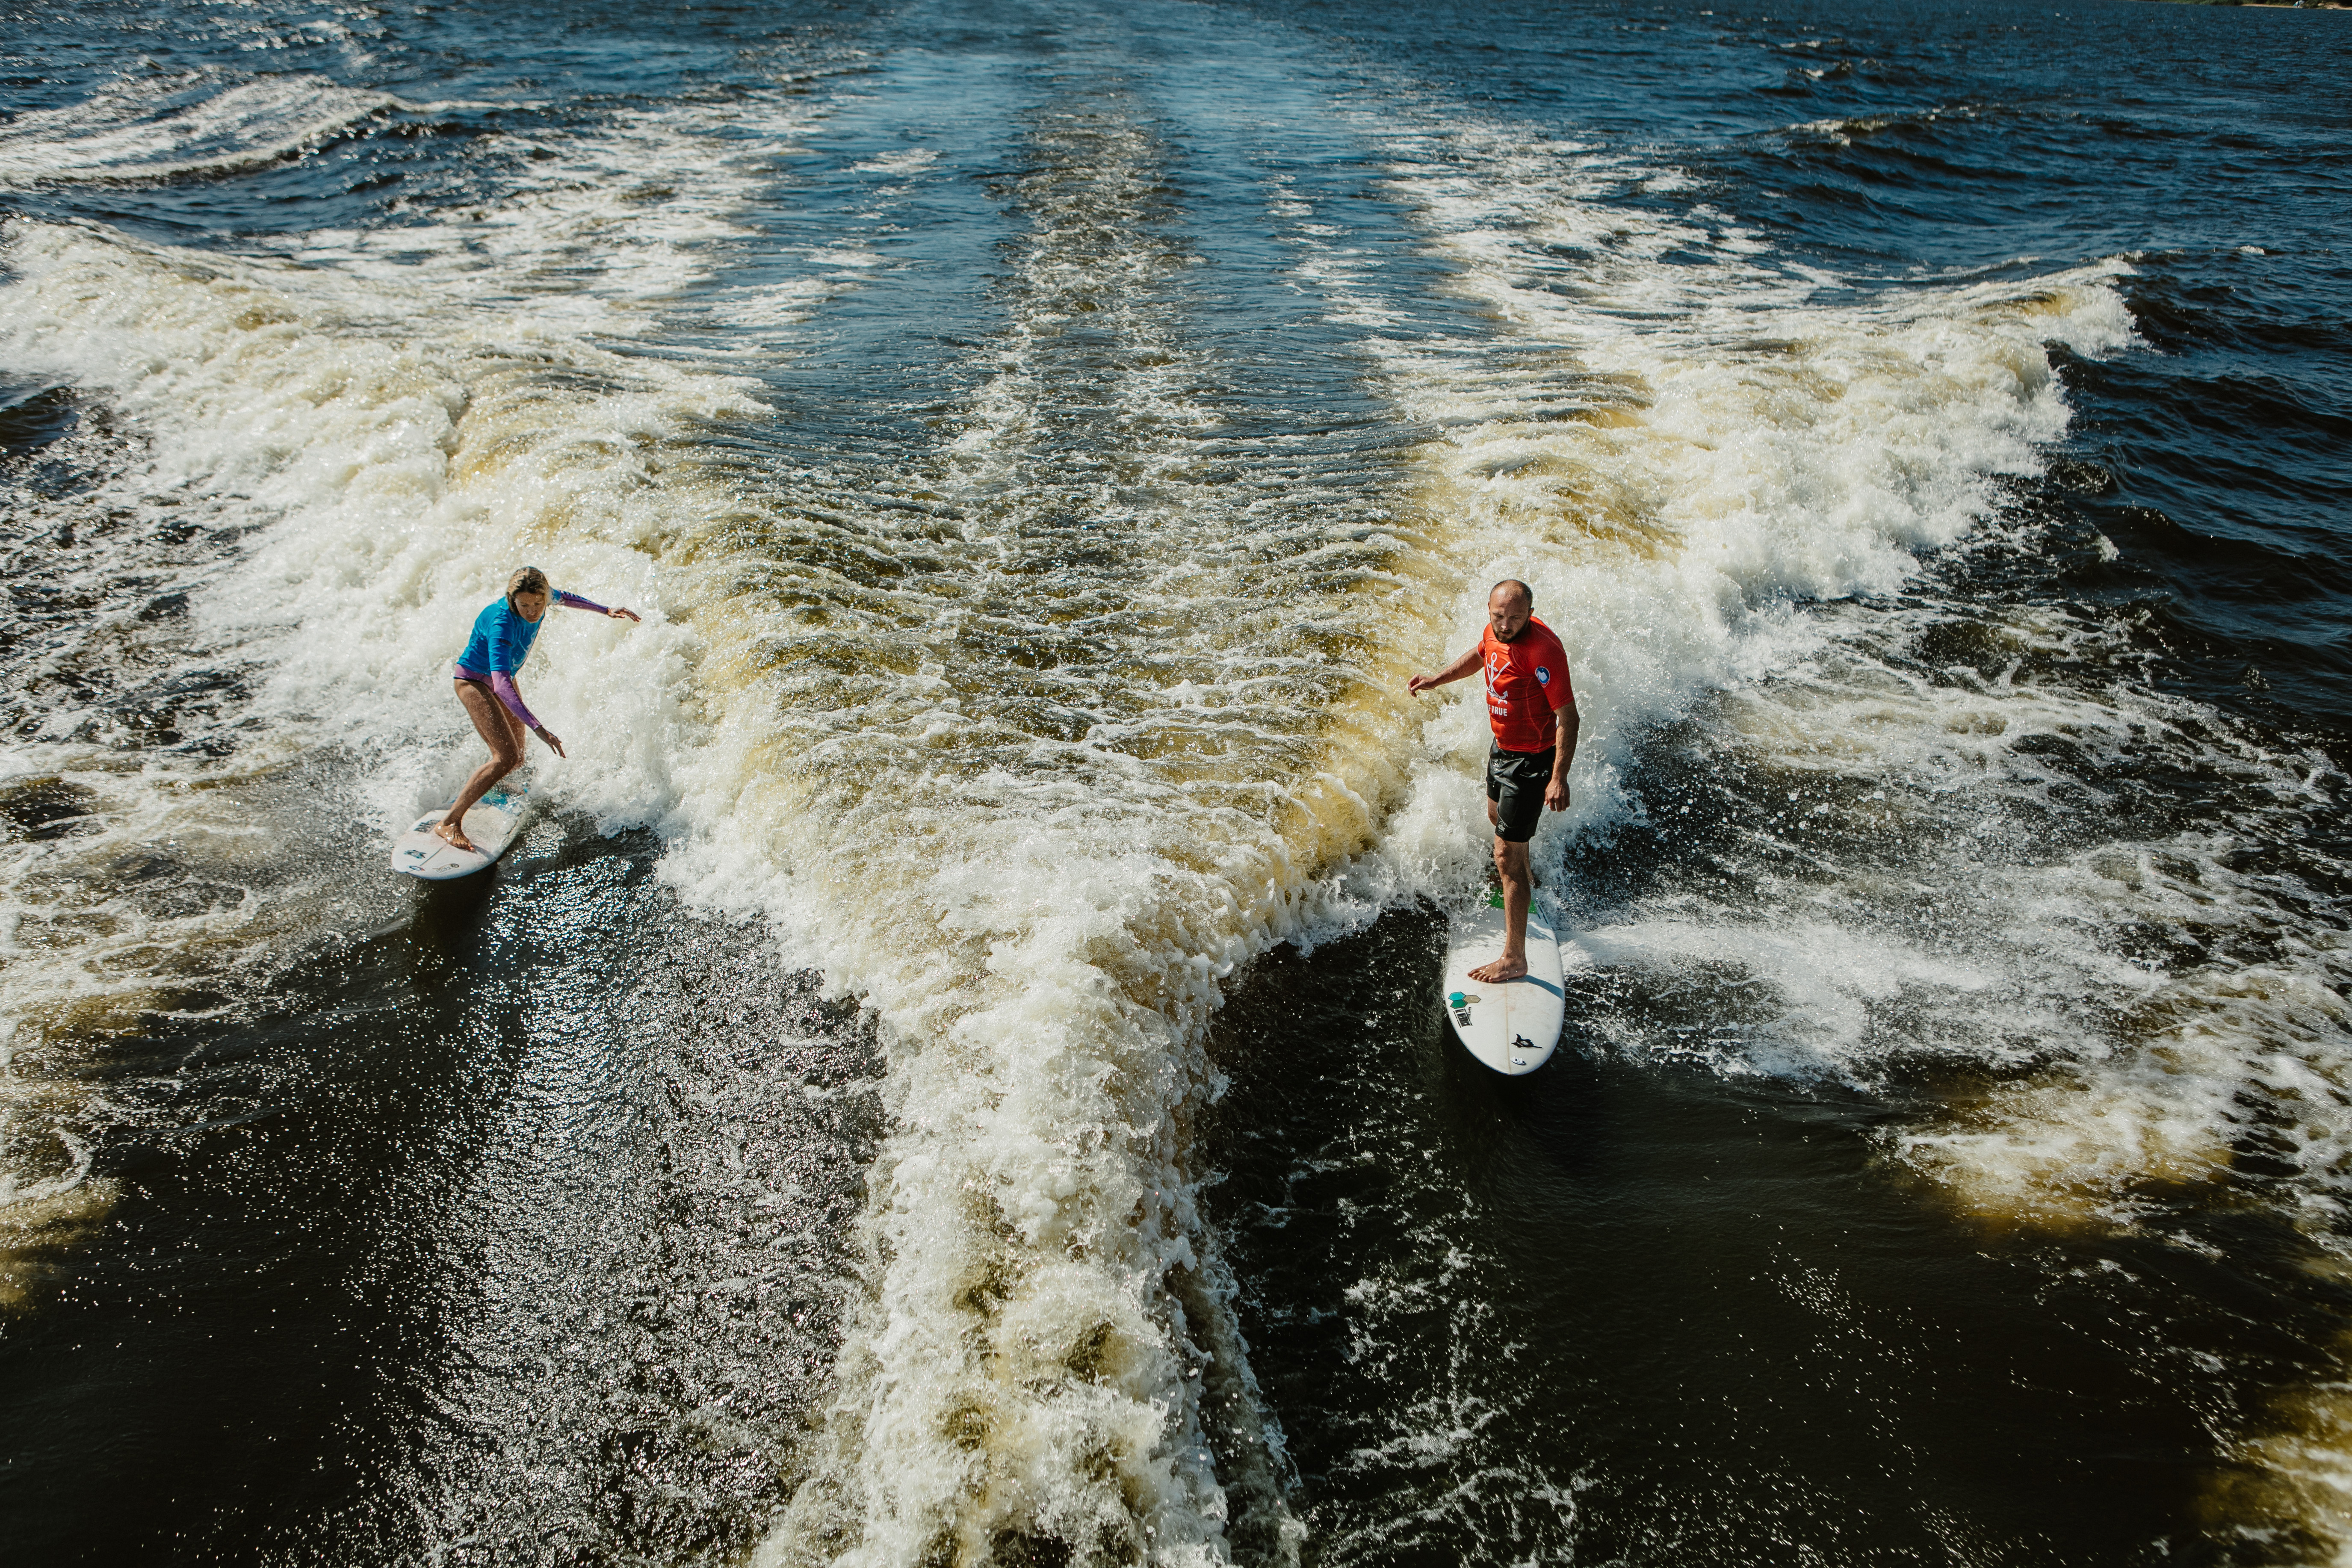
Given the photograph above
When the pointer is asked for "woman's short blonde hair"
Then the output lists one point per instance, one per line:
(527, 580)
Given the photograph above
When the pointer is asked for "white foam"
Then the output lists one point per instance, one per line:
(137, 130)
(614, 230)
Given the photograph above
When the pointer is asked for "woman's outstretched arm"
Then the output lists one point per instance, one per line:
(571, 601)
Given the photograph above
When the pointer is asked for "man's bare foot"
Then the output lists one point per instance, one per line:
(1504, 968)
(456, 836)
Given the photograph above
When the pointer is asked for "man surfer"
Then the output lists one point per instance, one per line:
(1534, 715)
(503, 634)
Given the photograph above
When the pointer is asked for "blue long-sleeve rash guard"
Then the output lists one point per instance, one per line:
(502, 641)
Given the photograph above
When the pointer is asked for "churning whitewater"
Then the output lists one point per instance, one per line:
(1042, 449)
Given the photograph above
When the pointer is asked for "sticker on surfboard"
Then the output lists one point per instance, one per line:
(1510, 1025)
(491, 823)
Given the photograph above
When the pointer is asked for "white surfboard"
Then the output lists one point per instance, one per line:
(1511, 1026)
(491, 823)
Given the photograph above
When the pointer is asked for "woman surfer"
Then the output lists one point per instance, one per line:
(503, 634)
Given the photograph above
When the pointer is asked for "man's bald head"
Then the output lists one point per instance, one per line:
(1509, 604)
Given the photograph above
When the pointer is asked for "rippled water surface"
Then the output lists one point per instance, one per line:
(948, 1074)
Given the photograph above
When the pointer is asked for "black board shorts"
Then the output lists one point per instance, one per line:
(1516, 782)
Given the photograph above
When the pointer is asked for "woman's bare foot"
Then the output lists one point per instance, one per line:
(454, 835)
(1502, 969)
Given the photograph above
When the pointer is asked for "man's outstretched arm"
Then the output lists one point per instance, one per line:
(1452, 672)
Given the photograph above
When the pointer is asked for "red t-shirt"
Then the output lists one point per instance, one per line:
(1527, 683)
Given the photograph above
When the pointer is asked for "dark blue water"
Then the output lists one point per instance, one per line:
(1946, 1158)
